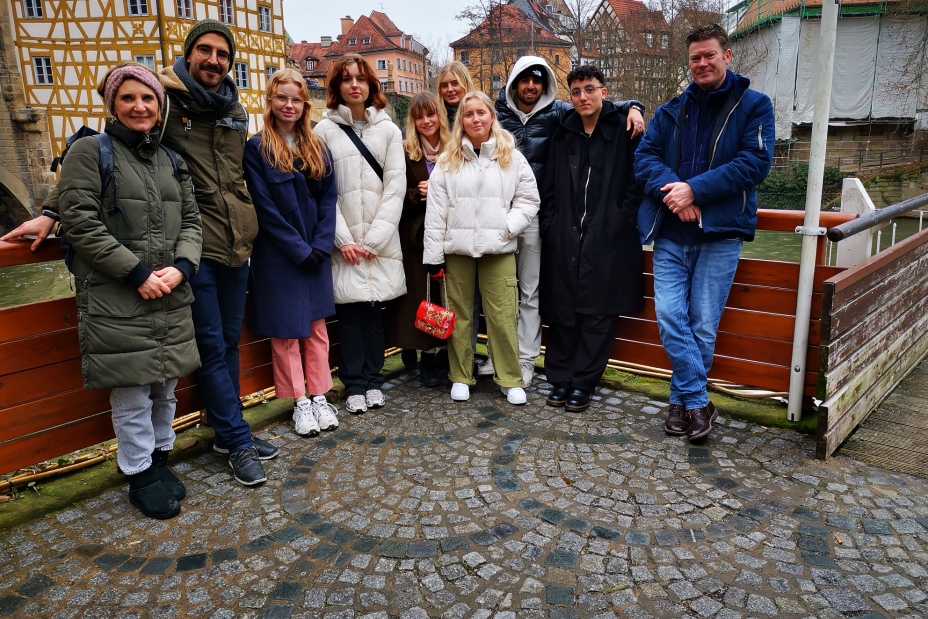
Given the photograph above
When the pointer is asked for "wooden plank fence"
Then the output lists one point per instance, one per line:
(874, 332)
(45, 413)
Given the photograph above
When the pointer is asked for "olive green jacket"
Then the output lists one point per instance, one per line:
(151, 223)
(214, 149)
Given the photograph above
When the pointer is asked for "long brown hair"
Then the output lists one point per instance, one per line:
(336, 76)
(423, 104)
(307, 145)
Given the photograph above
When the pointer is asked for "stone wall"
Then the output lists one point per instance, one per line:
(25, 152)
(894, 186)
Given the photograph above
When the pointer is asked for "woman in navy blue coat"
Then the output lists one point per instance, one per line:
(289, 174)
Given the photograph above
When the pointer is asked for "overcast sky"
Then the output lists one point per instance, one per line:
(432, 22)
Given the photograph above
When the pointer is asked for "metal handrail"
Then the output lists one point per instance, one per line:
(842, 231)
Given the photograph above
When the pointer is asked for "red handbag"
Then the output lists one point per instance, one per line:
(432, 318)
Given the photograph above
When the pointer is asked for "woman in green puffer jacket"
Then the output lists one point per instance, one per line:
(137, 242)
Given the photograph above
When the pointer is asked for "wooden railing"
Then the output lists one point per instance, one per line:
(45, 413)
(874, 332)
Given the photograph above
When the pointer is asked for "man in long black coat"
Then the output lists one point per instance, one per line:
(591, 268)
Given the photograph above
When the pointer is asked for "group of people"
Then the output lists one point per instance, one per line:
(526, 208)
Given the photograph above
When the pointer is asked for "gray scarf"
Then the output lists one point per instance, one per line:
(220, 102)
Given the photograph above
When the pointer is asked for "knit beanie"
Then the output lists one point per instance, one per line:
(537, 71)
(209, 25)
(131, 72)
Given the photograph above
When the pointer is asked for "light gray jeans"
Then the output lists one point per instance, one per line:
(142, 418)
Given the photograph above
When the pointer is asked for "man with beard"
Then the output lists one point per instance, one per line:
(528, 109)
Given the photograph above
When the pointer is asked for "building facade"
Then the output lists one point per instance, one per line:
(62, 49)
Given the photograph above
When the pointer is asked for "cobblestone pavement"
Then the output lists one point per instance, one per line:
(430, 508)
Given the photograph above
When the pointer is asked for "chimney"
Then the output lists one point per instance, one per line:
(303, 41)
(325, 41)
(347, 23)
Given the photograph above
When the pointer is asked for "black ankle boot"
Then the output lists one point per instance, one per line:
(151, 497)
(175, 486)
(409, 358)
(427, 372)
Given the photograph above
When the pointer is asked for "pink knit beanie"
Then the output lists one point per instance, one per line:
(135, 72)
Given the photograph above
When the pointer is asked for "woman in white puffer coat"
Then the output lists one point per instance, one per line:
(368, 268)
(482, 194)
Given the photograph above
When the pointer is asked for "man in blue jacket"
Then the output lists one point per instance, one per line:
(699, 164)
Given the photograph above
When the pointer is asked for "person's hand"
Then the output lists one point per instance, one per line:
(635, 122)
(170, 276)
(679, 196)
(154, 288)
(40, 226)
(351, 254)
(690, 213)
(314, 260)
(424, 189)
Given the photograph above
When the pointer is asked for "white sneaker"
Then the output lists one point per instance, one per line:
(460, 392)
(514, 395)
(375, 398)
(356, 404)
(304, 421)
(528, 373)
(325, 413)
(487, 368)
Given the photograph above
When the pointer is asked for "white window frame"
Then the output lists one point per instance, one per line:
(465, 58)
(32, 9)
(227, 12)
(270, 69)
(310, 64)
(146, 59)
(137, 8)
(241, 74)
(383, 83)
(381, 64)
(264, 18)
(184, 9)
(42, 69)
(353, 41)
(365, 40)
(665, 41)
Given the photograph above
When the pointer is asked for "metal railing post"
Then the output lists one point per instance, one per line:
(810, 231)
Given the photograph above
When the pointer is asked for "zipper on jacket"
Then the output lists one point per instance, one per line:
(715, 145)
(586, 187)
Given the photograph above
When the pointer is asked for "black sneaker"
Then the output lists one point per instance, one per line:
(246, 467)
(266, 451)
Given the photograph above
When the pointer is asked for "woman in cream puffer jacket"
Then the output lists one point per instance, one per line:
(482, 194)
(367, 269)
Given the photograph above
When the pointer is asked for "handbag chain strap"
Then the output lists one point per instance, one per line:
(428, 289)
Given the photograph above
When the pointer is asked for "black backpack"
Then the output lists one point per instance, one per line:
(106, 173)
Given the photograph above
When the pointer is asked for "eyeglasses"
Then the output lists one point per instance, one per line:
(204, 52)
(284, 100)
(589, 90)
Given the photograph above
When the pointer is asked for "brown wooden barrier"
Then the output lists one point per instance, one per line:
(874, 331)
(44, 412)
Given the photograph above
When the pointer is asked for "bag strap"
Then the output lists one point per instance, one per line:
(428, 290)
(363, 150)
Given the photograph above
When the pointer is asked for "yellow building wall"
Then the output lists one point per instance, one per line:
(486, 62)
(84, 39)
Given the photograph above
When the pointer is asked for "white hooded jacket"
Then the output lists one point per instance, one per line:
(479, 208)
(368, 209)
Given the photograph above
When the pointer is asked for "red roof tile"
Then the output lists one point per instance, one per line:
(508, 23)
(301, 52)
(385, 24)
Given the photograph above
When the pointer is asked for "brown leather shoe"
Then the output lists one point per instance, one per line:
(677, 421)
(701, 421)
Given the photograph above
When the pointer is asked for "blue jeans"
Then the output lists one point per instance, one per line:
(691, 285)
(218, 309)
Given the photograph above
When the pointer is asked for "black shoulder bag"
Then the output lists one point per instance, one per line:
(363, 150)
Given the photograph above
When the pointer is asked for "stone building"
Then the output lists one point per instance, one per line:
(54, 53)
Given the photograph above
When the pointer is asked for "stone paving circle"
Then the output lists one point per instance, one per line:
(432, 508)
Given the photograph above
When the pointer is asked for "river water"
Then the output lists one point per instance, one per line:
(29, 283)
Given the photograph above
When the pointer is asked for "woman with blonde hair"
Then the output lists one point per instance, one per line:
(426, 135)
(367, 152)
(454, 82)
(289, 174)
(482, 194)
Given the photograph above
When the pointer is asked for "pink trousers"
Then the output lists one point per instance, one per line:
(297, 374)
